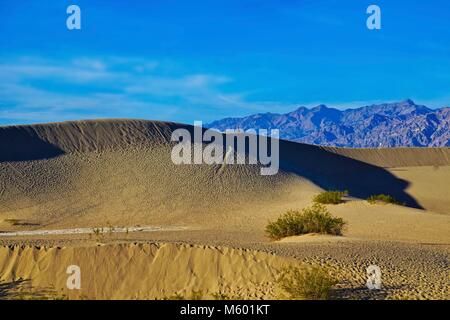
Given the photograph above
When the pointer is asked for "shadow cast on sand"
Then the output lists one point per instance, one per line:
(332, 171)
(326, 169)
(20, 144)
(363, 293)
(23, 290)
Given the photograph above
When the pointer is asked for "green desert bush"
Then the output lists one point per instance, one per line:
(306, 282)
(330, 197)
(314, 219)
(383, 198)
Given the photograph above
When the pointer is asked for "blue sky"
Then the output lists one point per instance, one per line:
(203, 60)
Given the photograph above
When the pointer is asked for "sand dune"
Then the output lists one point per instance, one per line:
(112, 271)
(429, 185)
(397, 157)
(119, 173)
(73, 174)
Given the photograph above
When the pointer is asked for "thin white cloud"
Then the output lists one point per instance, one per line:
(34, 71)
(36, 89)
(197, 84)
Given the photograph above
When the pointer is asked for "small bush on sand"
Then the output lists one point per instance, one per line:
(314, 219)
(383, 198)
(306, 282)
(330, 197)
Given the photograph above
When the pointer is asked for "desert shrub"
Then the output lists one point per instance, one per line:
(314, 219)
(330, 197)
(306, 282)
(384, 198)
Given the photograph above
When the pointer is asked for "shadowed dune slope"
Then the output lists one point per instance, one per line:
(119, 172)
(19, 143)
(397, 157)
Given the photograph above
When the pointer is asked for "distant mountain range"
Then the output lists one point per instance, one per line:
(400, 124)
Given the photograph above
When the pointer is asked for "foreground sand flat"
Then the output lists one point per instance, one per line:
(118, 173)
(132, 268)
(139, 271)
